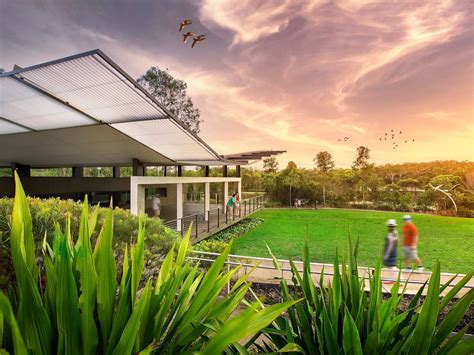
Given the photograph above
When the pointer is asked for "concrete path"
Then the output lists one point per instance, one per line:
(266, 273)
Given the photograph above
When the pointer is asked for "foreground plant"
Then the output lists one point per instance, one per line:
(84, 310)
(344, 319)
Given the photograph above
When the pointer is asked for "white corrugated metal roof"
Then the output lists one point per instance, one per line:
(90, 89)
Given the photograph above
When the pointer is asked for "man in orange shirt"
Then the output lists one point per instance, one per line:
(410, 238)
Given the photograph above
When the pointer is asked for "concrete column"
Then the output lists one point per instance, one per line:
(22, 170)
(116, 171)
(224, 171)
(207, 201)
(137, 198)
(138, 168)
(179, 205)
(239, 189)
(206, 171)
(226, 194)
(237, 170)
(77, 171)
(180, 170)
(165, 170)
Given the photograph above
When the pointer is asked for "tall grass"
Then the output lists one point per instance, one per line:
(83, 309)
(344, 319)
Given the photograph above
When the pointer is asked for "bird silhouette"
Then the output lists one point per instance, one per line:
(187, 35)
(400, 132)
(406, 141)
(184, 23)
(413, 140)
(391, 130)
(197, 39)
(339, 140)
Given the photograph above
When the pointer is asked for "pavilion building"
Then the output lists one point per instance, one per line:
(85, 111)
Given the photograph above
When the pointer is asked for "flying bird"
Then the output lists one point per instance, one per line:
(197, 39)
(184, 24)
(413, 140)
(400, 132)
(187, 35)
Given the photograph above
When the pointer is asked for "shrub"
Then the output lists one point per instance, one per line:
(45, 213)
(84, 310)
(344, 319)
(217, 242)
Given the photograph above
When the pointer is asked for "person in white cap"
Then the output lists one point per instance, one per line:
(391, 243)
(410, 239)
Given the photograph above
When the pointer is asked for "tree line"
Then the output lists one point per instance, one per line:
(397, 187)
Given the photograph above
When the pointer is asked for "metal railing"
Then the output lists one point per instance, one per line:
(204, 223)
(414, 279)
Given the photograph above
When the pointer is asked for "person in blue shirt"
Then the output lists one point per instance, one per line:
(391, 245)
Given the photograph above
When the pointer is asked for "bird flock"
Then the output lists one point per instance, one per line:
(394, 136)
(187, 35)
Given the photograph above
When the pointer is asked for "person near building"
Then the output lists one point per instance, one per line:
(156, 205)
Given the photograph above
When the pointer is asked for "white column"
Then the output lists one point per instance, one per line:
(137, 197)
(207, 202)
(226, 194)
(239, 188)
(179, 204)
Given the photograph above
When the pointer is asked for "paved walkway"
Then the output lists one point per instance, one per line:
(266, 273)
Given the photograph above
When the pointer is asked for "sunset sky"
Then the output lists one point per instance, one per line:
(294, 75)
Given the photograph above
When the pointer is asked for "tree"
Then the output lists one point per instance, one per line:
(171, 93)
(445, 185)
(292, 180)
(270, 165)
(362, 158)
(324, 164)
(362, 167)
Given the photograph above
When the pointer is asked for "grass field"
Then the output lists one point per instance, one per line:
(451, 240)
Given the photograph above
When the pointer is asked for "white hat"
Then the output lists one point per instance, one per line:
(391, 223)
(406, 217)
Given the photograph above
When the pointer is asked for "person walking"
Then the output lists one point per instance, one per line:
(230, 205)
(391, 243)
(156, 205)
(237, 203)
(410, 240)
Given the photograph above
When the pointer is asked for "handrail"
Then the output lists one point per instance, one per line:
(246, 261)
(213, 219)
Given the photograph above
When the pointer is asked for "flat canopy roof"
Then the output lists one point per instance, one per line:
(84, 110)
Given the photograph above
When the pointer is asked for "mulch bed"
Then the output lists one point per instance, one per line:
(270, 294)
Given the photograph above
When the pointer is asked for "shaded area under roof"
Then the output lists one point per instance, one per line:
(251, 156)
(94, 145)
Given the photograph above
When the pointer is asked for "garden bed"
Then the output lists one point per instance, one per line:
(270, 294)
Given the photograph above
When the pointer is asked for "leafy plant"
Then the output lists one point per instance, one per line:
(46, 213)
(218, 242)
(84, 309)
(343, 318)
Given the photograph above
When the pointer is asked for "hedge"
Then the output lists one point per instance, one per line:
(46, 212)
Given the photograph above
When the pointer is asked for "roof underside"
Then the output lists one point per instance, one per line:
(90, 110)
(245, 158)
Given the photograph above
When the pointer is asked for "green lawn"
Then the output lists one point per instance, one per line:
(449, 239)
